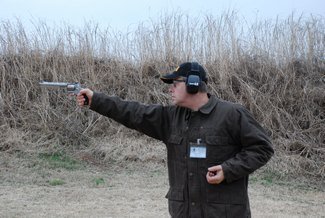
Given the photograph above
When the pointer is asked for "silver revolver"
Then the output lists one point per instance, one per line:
(71, 88)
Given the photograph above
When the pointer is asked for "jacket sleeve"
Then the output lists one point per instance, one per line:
(151, 120)
(256, 147)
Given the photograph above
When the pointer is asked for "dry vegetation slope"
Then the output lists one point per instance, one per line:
(275, 68)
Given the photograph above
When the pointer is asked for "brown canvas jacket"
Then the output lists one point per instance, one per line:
(232, 138)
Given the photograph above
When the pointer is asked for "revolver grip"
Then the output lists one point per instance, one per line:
(86, 102)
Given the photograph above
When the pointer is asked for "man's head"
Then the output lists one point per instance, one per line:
(193, 73)
(188, 84)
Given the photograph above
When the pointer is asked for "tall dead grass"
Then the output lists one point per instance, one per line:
(273, 67)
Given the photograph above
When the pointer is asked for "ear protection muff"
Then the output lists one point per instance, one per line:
(193, 80)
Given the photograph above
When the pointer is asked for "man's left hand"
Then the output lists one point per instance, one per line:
(215, 175)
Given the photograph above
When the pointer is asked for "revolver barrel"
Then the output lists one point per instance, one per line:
(53, 84)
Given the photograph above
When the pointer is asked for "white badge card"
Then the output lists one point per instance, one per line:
(198, 150)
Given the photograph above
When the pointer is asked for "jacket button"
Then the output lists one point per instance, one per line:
(190, 174)
(193, 203)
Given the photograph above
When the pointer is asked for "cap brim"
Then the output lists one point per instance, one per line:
(168, 78)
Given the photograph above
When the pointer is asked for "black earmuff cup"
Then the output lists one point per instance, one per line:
(193, 83)
(193, 80)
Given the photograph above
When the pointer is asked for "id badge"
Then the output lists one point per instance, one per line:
(198, 150)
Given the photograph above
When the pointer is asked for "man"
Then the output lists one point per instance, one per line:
(212, 145)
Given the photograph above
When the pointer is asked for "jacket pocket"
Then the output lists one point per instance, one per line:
(217, 140)
(176, 205)
(219, 150)
(175, 194)
(175, 149)
(227, 193)
(227, 210)
(175, 139)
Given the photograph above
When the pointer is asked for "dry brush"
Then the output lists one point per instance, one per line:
(275, 68)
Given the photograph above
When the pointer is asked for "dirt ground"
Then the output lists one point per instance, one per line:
(130, 191)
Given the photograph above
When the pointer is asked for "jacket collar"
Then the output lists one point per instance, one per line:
(208, 107)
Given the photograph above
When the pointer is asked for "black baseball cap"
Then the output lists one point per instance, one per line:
(182, 71)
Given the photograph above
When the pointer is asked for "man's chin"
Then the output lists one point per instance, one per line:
(173, 102)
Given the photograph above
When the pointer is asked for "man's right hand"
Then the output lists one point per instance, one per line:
(81, 98)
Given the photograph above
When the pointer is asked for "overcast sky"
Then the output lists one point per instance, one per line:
(120, 14)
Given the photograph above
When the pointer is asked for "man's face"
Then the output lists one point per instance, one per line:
(178, 92)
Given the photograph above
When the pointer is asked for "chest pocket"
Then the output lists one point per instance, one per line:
(175, 148)
(219, 149)
(175, 139)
